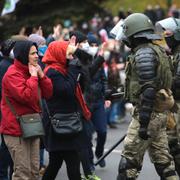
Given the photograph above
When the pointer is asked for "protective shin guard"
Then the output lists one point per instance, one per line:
(122, 170)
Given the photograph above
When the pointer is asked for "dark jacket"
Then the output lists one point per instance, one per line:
(62, 101)
(96, 88)
(4, 65)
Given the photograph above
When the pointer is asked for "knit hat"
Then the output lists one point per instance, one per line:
(80, 37)
(7, 46)
(92, 39)
(37, 39)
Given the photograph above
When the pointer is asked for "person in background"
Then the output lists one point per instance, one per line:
(42, 47)
(95, 97)
(5, 157)
(20, 85)
(91, 65)
(57, 30)
(41, 44)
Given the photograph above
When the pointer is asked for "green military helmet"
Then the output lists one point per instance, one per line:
(135, 23)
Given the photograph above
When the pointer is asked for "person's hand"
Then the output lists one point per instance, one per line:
(33, 70)
(40, 71)
(143, 133)
(102, 49)
(71, 48)
(107, 104)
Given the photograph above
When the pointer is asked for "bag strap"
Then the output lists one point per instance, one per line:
(12, 107)
(47, 109)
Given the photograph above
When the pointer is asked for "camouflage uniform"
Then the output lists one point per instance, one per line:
(174, 133)
(157, 143)
(147, 72)
(135, 147)
(171, 26)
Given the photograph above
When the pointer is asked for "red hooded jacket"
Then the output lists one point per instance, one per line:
(22, 90)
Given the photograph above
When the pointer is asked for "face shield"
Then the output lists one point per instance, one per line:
(169, 27)
(169, 24)
(117, 32)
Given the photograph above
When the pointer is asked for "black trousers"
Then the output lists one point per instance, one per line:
(56, 159)
(5, 162)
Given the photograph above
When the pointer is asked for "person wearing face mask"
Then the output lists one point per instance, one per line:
(90, 58)
(84, 60)
(42, 47)
(5, 157)
(21, 84)
(95, 98)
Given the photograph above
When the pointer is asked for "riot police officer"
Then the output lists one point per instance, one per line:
(148, 77)
(171, 29)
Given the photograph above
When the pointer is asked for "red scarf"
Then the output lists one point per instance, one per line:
(55, 58)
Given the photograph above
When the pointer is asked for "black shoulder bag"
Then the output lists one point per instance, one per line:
(65, 124)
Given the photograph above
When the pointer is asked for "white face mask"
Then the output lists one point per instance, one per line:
(11, 54)
(93, 51)
(85, 46)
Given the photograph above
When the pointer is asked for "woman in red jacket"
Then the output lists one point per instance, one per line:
(20, 84)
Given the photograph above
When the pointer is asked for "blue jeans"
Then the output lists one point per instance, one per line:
(5, 162)
(116, 110)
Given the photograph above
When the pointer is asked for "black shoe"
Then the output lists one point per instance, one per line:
(102, 163)
(92, 167)
(113, 126)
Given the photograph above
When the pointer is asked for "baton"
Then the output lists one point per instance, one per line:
(109, 151)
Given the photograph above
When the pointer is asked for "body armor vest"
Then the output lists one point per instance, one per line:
(163, 79)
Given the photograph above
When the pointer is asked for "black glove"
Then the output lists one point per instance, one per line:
(143, 133)
(175, 108)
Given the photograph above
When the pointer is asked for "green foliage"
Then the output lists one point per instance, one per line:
(136, 6)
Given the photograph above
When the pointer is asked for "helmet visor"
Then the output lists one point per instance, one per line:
(169, 24)
(117, 32)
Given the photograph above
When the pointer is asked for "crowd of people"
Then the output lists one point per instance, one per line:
(73, 73)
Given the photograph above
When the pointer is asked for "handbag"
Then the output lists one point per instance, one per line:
(31, 124)
(65, 124)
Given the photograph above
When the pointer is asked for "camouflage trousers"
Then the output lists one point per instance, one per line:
(175, 132)
(174, 140)
(157, 145)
